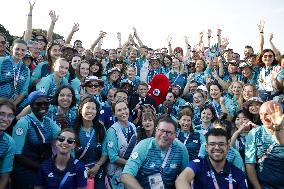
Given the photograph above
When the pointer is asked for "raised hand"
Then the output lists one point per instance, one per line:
(186, 40)
(31, 7)
(169, 39)
(261, 26)
(75, 27)
(219, 31)
(270, 36)
(53, 16)
(209, 32)
(276, 116)
(102, 34)
(119, 36)
(134, 31)
(225, 42)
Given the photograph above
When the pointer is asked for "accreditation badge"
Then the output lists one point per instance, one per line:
(156, 181)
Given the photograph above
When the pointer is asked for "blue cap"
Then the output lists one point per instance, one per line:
(35, 95)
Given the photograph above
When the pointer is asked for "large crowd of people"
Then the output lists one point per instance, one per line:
(136, 117)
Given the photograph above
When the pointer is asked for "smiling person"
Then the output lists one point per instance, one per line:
(50, 83)
(147, 130)
(62, 171)
(15, 75)
(33, 135)
(7, 144)
(121, 138)
(212, 171)
(155, 162)
(190, 138)
(91, 147)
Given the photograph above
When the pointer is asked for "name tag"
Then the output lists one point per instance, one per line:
(156, 181)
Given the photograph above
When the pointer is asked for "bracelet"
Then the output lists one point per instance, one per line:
(209, 36)
(169, 44)
(261, 32)
(218, 35)
(29, 14)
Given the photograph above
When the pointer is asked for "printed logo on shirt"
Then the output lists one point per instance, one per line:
(72, 174)
(19, 131)
(102, 112)
(152, 165)
(195, 141)
(22, 78)
(110, 144)
(173, 166)
(196, 161)
(134, 155)
(227, 178)
(8, 73)
(50, 175)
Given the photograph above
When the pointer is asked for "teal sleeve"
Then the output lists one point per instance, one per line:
(250, 152)
(137, 157)
(202, 139)
(6, 164)
(36, 74)
(43, 85)
(55, 129)
(202, 151)
(19, 134)
(104, 147)
(112, 145)
(25, 90)
(185, 157)
(238, 161)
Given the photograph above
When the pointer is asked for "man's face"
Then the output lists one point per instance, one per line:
(133, 55)
(248, 51)
(34, 49)
(121, 96)
(78, 44)
(192, 87)
(217, 148)
(142, 91)
(112, 55)
(165, 135)
(3, 44)
(149, 55)
(41, 42)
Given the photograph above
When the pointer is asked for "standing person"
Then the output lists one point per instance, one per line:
(50, 83)
(155, 162)
(62, 171)
(33, 135)
(91, 135)
(121, 138)
(7, 144)
(264, 153)
(15, 75)
(212, 171)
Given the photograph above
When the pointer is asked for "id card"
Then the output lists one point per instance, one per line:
(156, 181)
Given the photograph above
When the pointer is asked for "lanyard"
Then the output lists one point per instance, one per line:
(34, 122)
(216, 183)
(127, 132)
(166, 158)
(66, 176)
(88, 145)
(16, 76)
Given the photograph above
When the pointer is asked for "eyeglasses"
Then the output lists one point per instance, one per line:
(69, 140)
(269, 56)
(168, 133)
(93, 85)
(3, 42)
(10, 117)
(67, 95)
(219, 144)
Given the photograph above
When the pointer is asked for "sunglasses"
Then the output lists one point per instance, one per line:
(269, 56)
(93, 85)
(69, 140)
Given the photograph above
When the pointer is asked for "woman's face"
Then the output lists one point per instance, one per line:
(199, 66)
(121, 111)
(6, 117)
(65, 147)
(198, 99)
(215, 92)
(75, 61)
(119, 65)
(148, 124)
(114, 76)
(248, 92)
(241, 119)
(237, 89)
(130, 72)
(176, 63)
(254, 108)
(170, 97)
(89, 111)
(55, 52)
(93, 88)
(167, 62)
(65, 98)
(94, 68)
(246, 72)
(185, 123)
(61, 67)
(19, 51)
(267, 58)
(84, 69)
(206, 115)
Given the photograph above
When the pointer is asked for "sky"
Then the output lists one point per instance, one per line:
(154, 20)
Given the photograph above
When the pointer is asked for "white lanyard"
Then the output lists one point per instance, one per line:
(16, 76)
(166, 158)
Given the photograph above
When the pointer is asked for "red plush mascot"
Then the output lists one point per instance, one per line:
(158, 88)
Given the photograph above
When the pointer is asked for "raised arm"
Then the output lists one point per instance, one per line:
(261, 38)
(53, 18)
(219, 38)
(169, 40)
(28, 32)
(119, 39)
(252, 176)
(188, 47)
(137, 37)
(275, 50)
(95, 43)
(75, 28)
(185, 179)
(209, 33)
(125, 46)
